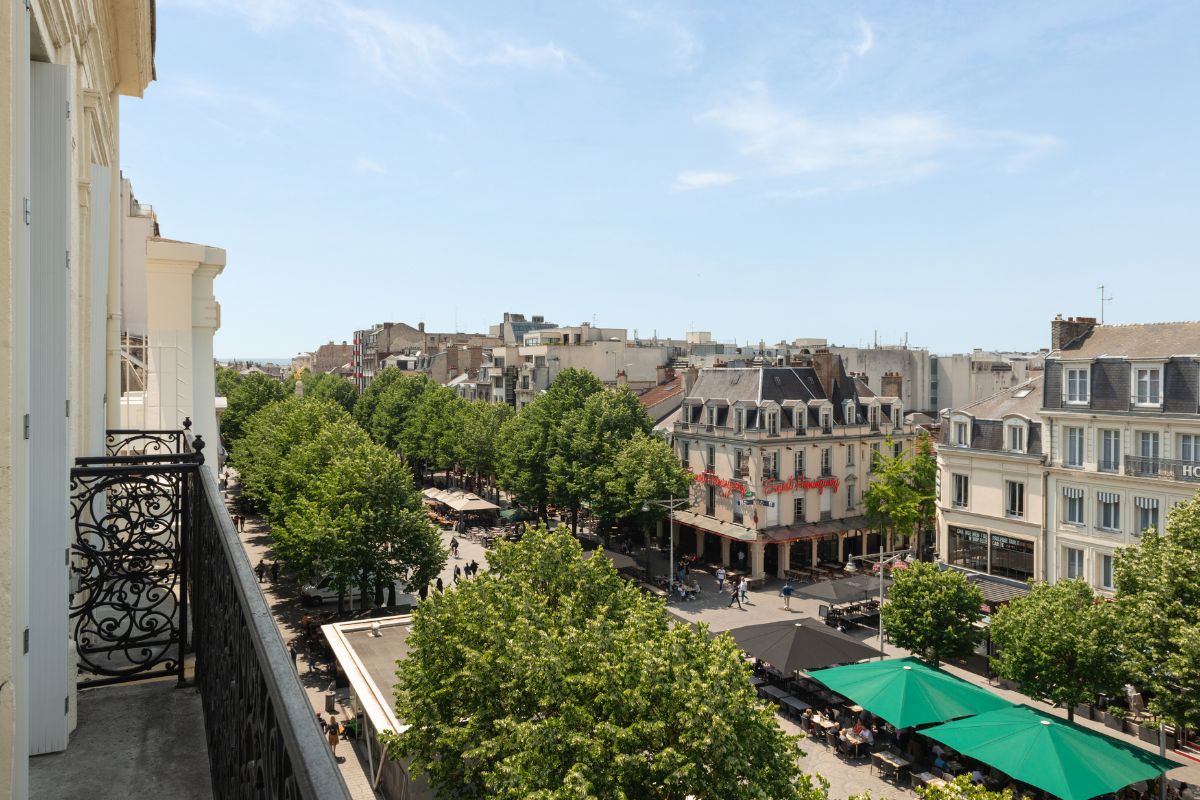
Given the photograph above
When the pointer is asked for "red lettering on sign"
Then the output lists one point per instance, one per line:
(791, 484)
(710, 479)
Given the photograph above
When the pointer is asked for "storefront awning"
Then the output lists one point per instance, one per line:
(729, 530)
(816, 530)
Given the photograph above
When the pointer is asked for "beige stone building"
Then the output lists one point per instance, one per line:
(781, 458)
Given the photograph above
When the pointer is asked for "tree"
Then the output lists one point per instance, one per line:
(551, 677)
(327, 386)
(361, 520)
(932, 613)
(426, 432)
(227, 380)
(364, 409)
(477, 439)
(247, 397)
(901, 496)
(586, 440)
(392, 406)
(1158, 606)
(643, 471)
(961, 788)
(1057, 644)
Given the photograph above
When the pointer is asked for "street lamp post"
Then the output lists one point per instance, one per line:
(670, 505)
(850, 568)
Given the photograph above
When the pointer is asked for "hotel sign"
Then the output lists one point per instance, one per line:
(792, 484)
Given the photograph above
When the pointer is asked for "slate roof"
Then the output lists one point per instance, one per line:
(757, 384)
(1007, 402)
(1149, 340)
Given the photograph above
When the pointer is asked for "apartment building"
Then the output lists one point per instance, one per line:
(1121, 409)
(781, 457)
(991, 478)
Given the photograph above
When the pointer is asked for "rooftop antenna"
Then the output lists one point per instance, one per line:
(1102, 301)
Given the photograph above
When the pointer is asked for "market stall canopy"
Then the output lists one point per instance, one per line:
(845, 590)
(907, 692)
(800, 645)
(432, 492)
(1059, 757)
(619, 560)
(470, 502)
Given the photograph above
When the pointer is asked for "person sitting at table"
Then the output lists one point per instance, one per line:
(976, 777)
(806, 723)
(868, 737)
(939, 762)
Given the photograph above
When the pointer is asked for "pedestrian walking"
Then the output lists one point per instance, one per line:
(274, 572)
(454, 546)
(458, 573)
(241, 523)
(332, 733)
(744, 588)
(260, 570)
(721, 579)
(321, 722)
(734, 597)
(474, 568)
(786, 593)
(292, 650)
(312, 661)
(438, 585)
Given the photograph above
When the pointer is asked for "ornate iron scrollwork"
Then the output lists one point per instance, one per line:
(143, 443)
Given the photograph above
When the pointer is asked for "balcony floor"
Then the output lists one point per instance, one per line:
(136, 740)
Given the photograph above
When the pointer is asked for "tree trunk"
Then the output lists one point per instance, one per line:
(364, 581)
(1070, 713)
(575, 520)
(341, 600)
(378, 591)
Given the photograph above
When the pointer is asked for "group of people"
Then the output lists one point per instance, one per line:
(262, 570)
(847, 733)
(470, 571)
(739, 591)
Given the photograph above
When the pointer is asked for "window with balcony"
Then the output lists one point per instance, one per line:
(849, 496)
(800, 464)
(1189, 448)
(711, 463)
(798, 510)
(850, 455)
(1110, 451)
(800, 419)
(826, 420)
(1073, 457)
(1147, 450)
(685, 455)
(826, 462)
(770, 462)
(1014, 499)
(1147, 513)
(1073, 505)
(1110, 510)
(1073, 563)
(961, 491)
(1147, 384)
(1077, 385)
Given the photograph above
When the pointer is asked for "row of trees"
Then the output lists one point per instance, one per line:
(338, 502)
(1064, 644)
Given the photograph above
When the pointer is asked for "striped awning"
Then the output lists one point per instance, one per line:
(1108, 497)
(1073, 492)
(1145, 502)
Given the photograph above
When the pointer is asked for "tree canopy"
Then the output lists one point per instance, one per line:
(1057, 644)
(932, 612)
(327, 386)
(1158, 606)
(245, 398)
(901, 495)
(551, 677)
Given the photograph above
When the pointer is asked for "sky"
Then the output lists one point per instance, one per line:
(950, 173)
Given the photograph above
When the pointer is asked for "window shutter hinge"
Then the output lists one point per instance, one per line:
(28, 211)
(67, 556)
(68, 259)
(68, 408)
(26, 426)
(25, 641)
(67, 705)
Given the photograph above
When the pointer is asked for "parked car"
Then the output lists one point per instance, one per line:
(323, 590)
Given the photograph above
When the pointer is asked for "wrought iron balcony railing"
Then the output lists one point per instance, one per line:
(1172, 469)
(161, 582)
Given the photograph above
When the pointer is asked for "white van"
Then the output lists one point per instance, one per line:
(323, 590)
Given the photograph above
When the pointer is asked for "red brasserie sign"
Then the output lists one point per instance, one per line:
(712, 480)
(791, 484)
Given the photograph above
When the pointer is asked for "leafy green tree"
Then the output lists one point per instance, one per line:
(587, 439)
(643, 471)
(361, 520)
(227, 380)
(932, 612)
(1158, 605)
(961, 788)
(304, 465)
(477, 439)
(551, 677)
(1057, 644)
(901, 496)
(368, 401)
(392, 407)
(246, 398)
(327, 386)
(426, 435)
(270, 436)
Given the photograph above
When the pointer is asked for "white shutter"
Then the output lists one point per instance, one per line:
(49, 502)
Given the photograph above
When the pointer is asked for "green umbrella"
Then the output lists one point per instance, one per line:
(907, 692)
(1060, 757)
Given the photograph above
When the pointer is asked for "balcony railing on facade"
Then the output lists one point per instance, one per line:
(1169, 468)
(763, 434)
(161, 583)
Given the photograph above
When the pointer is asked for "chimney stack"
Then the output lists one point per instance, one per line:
(1065, 331)
(891, 384)
(689, 379)
(827, 365)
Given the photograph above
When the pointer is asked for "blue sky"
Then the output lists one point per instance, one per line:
(957, 172)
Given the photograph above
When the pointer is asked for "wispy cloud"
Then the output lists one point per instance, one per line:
(689, 180)
(865, 151)
(261, 14)
(685, 46)
(415, 55)
(364, 164)
(867, 42)
(222, 97)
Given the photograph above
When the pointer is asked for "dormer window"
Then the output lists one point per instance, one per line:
(827, 420)
(962, 433)
(739, 420)
(873, 416)
(772, 422)
(897, 415)
(1147, 385)
(1075, 384)
(851, 413)
(1016, 436)
(712, 416)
